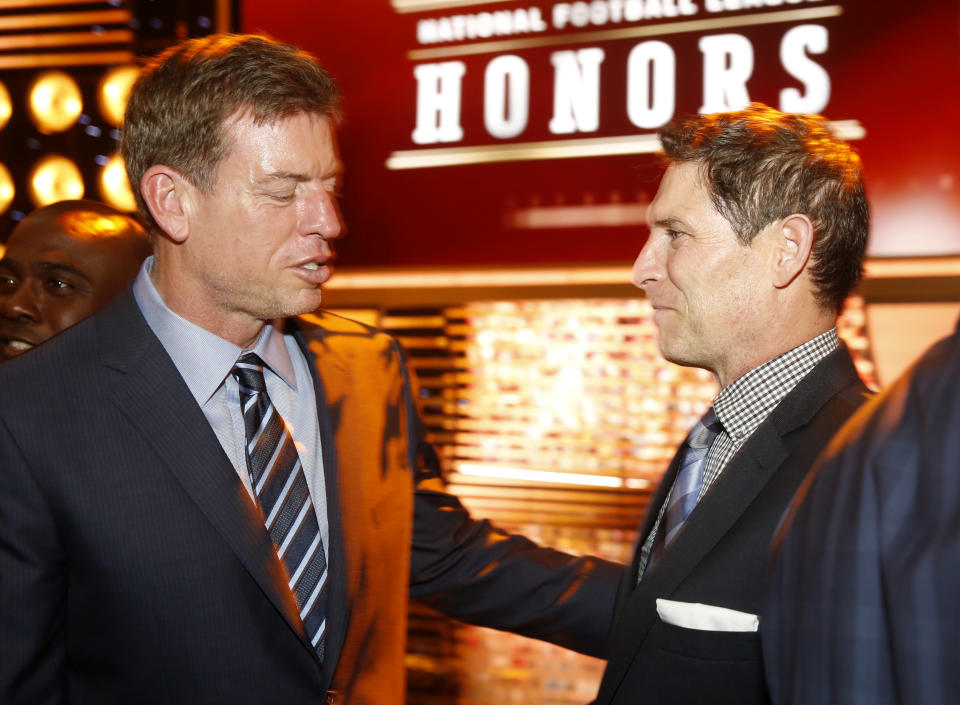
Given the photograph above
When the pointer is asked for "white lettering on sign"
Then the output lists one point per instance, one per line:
(438, 102)
(576, 91)
(651, 84)
(734, 5)
(601, 12)
(506, 91)
(482, 25)
(727, 65)
(797, 42)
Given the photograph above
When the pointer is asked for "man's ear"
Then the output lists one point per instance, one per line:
(167, 195)
(793, 245)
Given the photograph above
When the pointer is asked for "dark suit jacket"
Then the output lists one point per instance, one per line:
(864, 597)
(718, 557)
(134, 568)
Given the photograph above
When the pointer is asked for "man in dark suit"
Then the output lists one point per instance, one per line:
(862, 606)
(757, 235)
(205, 500)
(63, 263)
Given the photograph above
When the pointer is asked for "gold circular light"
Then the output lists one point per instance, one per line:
(6, 189)
(115, 90)
(115, 187)
(55, 102)
(6, 107)
(55, 178)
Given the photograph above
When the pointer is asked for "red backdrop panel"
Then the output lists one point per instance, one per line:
(892, 66)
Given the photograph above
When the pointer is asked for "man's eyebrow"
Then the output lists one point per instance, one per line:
(57, 267)
(283, 176)
(671, 223)
(297, 176)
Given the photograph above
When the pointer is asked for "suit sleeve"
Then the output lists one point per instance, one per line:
(471, 570)
(32, 587)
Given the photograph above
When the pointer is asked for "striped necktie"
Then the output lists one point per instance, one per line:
(281, 490)
(686, 486)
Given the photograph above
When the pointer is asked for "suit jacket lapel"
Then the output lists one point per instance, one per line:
(151, 393)
(743, 479)
(330, 380)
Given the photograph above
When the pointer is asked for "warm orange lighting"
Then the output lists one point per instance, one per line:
(115, 187)
(529, 475)
(114, 92)
(55, 178)
(55, 102)
(6, 189)
(6, 107)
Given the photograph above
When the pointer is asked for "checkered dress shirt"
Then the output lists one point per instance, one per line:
(744, 404)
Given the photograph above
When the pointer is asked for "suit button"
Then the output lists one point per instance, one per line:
(333, 697)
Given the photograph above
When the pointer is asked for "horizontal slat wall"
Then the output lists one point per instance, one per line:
(51, 33)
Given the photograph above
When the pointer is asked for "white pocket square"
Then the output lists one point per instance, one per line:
(695, 615)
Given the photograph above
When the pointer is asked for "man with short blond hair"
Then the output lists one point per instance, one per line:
(207, 490)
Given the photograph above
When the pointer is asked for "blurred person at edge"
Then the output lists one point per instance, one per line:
(61, 264)
(757, 235)
(862, 602)
(212, 492)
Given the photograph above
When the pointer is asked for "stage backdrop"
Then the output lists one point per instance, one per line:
(515, 132)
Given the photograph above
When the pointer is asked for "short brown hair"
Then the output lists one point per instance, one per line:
(761, 165)
(177, 108)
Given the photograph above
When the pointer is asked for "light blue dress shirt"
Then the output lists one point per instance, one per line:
(204, 360)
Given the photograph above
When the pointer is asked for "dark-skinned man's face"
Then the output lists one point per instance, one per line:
(56, 272)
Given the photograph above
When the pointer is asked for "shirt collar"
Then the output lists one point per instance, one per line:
(204, 359)
(743, 404)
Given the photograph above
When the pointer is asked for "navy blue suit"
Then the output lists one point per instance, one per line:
(134, 567)
(863, 606)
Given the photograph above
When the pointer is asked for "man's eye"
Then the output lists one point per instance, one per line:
(7, 283)
(59, 286)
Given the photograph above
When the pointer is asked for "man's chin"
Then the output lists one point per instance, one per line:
(307, 301)
(672, 352)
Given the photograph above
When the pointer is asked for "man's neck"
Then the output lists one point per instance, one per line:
(238, 328)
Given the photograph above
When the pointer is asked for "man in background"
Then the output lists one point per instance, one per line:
(862, 606)
(757, 235)
(61, 264)
(207, 493)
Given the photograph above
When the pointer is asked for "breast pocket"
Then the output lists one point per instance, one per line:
(679, 666)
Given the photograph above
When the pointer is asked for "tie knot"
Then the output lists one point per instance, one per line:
(706, 430)
(248, 372)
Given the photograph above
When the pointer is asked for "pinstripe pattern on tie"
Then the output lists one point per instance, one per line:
(280, 486)
(686, 487)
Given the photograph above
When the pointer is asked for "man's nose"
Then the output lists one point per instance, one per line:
(324, 216)
(647, 268)
(21, 304)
